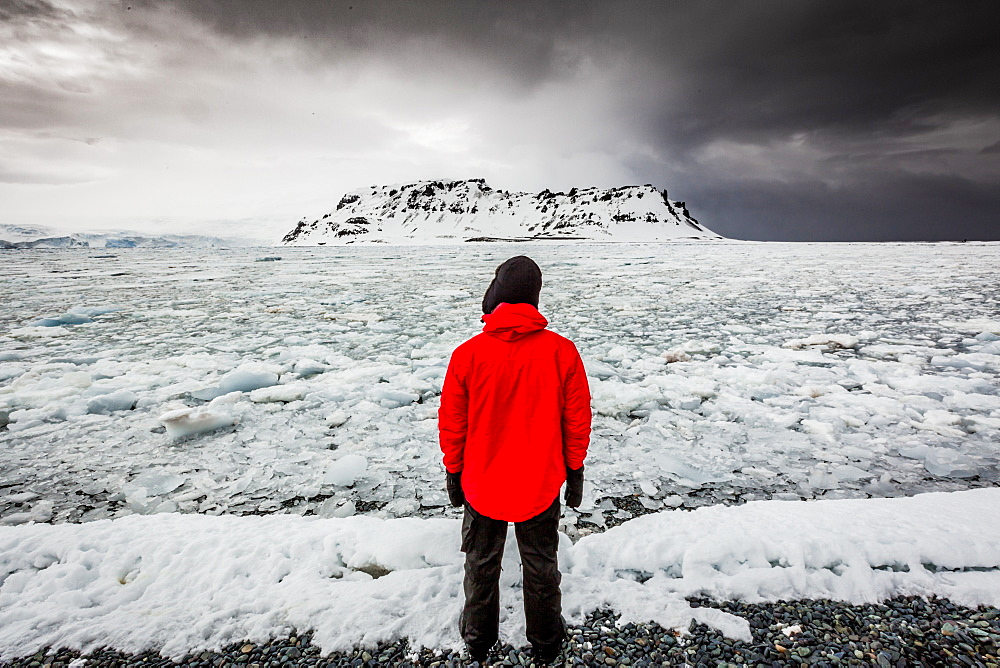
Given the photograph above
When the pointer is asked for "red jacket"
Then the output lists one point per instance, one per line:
(515, 412)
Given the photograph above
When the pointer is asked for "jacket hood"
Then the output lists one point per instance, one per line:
(517, 281)
(512, 321)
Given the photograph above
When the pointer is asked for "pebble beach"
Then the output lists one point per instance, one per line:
(900, 633)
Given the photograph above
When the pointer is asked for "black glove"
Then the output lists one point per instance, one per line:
(574, 487)
(455, 493)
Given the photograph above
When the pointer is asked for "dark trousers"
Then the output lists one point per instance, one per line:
(537, 540)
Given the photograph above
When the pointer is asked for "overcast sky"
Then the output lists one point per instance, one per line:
(795, 120)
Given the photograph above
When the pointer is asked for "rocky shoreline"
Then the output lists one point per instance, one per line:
(902, 632)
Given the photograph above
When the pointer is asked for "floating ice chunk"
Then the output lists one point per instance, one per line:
(345, 471)
(822, 429)
(389, 398)
(939, 423)
(828, 341)
(881, 487)
(598, 370)
(308, 367)
(337, 418)
(975, 361)
(614, 398)
(78, 315)
(676, 355)
(687, 403)
(38, 332)
(948, 463)
(93, 310)
(913, 450)
(345, 510)
(78, 379)
(650, 504)
(367, 318)
(699, 347)
(673, 501)
(334, 507)
(617, 354)
(278, 393)
(821, 479)
(64, 319)
(185, 422)
(975, 424)
(246, 378)
(687, 475)
(850, 473)
(940, 417)
(648, 488)
(154, 483)
(121, 400)
(39, 512)
(981, 325)
(19, 497)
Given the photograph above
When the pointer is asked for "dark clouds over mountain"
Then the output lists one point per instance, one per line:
(774, 120)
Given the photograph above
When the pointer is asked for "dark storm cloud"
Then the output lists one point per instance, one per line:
(852, 78)
(13, 10)
(898, 208)
(743, 67)
(519, 39)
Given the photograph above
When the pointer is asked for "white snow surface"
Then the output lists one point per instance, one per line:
(178, 583)
(441, 212)
(281, 368)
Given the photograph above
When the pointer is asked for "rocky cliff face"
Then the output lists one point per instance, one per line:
(457, 211)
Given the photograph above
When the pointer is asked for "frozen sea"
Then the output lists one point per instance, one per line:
(220, 382)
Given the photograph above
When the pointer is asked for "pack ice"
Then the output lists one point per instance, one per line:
(720, 373)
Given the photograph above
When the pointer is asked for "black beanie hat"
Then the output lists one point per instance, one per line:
(517, 281)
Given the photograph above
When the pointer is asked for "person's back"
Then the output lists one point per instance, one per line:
(514, 423)
(514, 378)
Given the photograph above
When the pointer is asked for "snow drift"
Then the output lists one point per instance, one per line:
(179, 583)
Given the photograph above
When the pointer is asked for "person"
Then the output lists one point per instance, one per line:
(514, 424)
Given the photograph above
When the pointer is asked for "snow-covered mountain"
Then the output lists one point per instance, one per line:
(457, 211)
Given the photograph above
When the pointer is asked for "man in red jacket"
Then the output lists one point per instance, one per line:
(514, 424)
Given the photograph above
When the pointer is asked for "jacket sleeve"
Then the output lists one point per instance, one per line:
(453, 418)
(576, 414)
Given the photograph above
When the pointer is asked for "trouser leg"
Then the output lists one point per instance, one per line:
(538, 542)
(482, 541)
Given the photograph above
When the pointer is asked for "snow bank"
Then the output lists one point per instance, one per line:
(179, 583)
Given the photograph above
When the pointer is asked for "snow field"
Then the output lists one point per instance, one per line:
(180, 583)
(720, 373)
